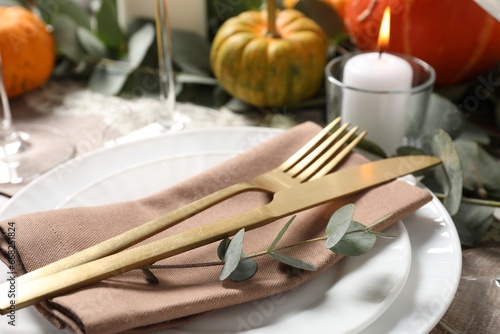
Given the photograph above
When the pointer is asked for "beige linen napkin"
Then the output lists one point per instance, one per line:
(127, 303)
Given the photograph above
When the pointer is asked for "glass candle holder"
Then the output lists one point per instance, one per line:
(386, 94)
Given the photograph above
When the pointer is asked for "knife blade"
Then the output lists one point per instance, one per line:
(285, 202)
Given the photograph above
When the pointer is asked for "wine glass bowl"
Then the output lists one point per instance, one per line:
(28, 150)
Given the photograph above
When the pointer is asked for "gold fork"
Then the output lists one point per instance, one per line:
(315, 159)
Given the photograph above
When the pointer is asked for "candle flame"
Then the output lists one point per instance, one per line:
(385, 27)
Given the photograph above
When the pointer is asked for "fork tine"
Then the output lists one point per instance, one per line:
(297, 156)
(338, 158)
(325, 156)
(317, 153)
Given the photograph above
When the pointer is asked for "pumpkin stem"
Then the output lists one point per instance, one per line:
(271, 19)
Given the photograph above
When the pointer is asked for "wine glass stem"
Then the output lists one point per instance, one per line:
(6, 115)
(7, 133)
(169, 117)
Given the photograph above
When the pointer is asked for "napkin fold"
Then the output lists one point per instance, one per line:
(128, 304)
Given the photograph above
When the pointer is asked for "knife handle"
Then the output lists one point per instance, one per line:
(135, 235)
(88, 273)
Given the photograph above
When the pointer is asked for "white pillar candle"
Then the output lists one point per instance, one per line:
(381, 113)
(188, 15)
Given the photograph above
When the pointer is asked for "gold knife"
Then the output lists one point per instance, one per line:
(285, 202)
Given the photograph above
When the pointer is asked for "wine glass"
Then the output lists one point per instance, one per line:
(170, 118)
(27, 150)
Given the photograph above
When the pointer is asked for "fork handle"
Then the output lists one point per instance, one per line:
(70, 279)
(137, 234)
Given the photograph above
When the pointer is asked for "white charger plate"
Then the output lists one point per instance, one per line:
(78, 182)
(351, 301)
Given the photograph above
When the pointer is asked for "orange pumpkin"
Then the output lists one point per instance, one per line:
(457, 37)
(27, 49)
(271, 62)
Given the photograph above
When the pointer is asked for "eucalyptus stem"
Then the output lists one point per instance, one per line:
(251, 256)
(271, 19)
(473, 201)
(266, 252)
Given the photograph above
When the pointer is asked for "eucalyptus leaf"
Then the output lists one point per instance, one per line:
(65, 38)
(72, 10)
(280, 234)
(220, 96)
(278, 121)
(150, 277)
(372, 147)
(472, 222)
(442, 114)
(139, 43)
(238, 106)
(63, 68)
(191, 53)
(109, 77)
(107, 25)
(245, 270)
(233, 255)
(378, 221)
(196, 79)
(382, 235)
(338, 224)
(481, 170)
(222, 248)
(197, 94)
(91, 44)
(293, 262)
(409, 150)
(449, 174)
(50, 9)
(355, 243)
(475, 133)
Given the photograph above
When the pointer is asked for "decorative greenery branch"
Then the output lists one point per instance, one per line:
(343, 236)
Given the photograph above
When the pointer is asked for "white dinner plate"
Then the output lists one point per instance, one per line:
(349, 296)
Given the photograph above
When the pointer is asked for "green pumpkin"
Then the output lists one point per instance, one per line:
(270, 63)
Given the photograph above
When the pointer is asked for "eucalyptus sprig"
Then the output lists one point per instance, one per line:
(343, 236)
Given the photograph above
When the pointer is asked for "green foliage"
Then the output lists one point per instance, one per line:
(232, 255)
(293, 262)
(357, 241)
(280, 235)
(481, 170)
(473, 223)
(237, 266)
(469, 178)
(150, 277)
(66, 39)
(449, 174)
(342, 235)
(191, 53)
(110, 76)
(339, 224)
(108, 28)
